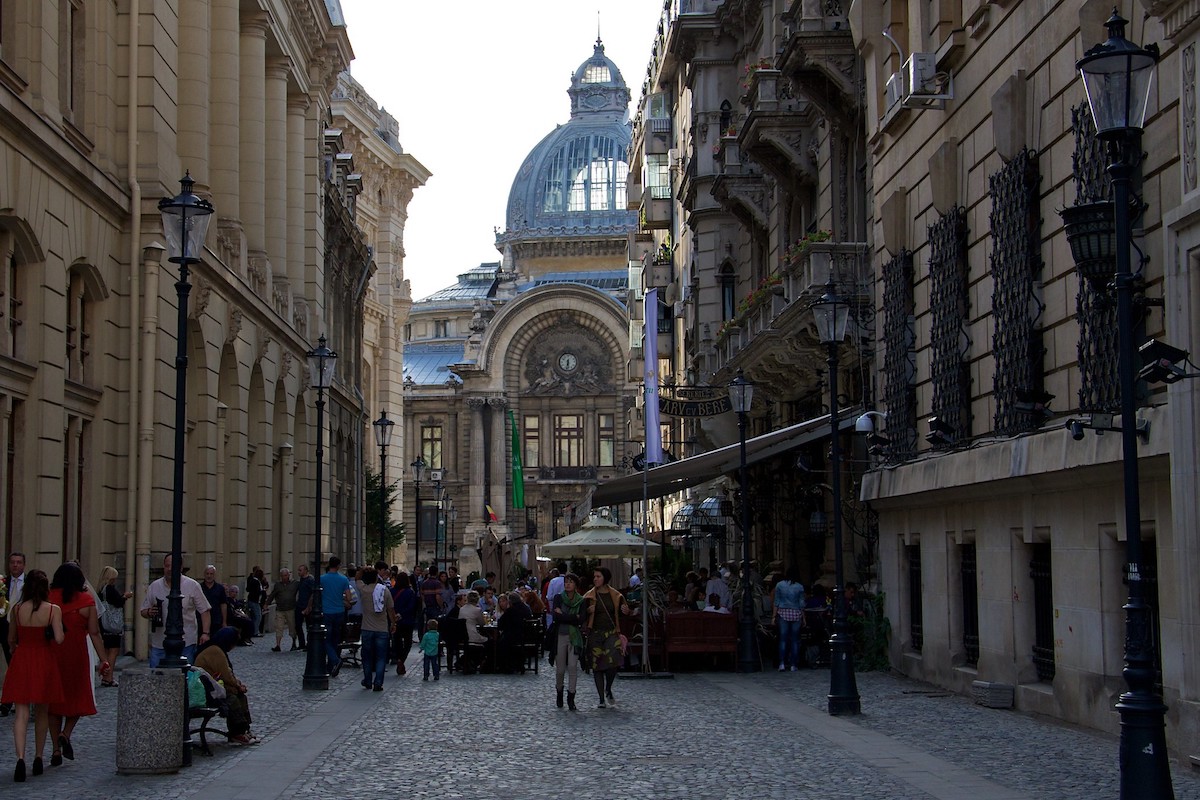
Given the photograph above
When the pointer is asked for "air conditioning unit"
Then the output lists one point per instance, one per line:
(895, 89)
(921, 71)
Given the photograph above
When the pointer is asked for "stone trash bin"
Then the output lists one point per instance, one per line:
(151, 720)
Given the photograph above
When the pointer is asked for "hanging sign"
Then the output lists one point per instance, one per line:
(693, 401)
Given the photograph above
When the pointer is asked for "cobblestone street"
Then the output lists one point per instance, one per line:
(699, 736)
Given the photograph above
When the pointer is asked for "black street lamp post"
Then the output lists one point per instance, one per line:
(741, 393)
(1117, 75)
(418, 470)
(831, 315)
(316, 670)
(383, 437)
(185, 223)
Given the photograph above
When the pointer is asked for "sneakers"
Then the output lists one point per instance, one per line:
(795, 668)
(612, 701)
(275, 649)
(244, 739)
(379, 688)
(425, 678)
(783, 667)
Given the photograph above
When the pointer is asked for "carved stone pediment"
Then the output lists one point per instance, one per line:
(744, 196)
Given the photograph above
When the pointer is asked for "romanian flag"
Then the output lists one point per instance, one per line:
(518, 473)
(654, 453)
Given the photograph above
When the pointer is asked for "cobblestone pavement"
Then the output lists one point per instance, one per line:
(699, 736)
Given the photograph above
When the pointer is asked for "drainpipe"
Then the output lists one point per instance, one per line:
(148, 328)
(137, 572)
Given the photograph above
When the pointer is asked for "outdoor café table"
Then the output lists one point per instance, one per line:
(492, 633)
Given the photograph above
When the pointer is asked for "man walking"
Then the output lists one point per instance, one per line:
(283, 594)
(218, 601)
(303, 602)
(335, 599)
(196, 618)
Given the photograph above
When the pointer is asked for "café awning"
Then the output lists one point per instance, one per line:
(679, 475)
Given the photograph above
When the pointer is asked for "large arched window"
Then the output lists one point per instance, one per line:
(587, 174)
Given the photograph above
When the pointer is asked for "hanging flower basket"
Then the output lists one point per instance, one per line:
(1091, 233)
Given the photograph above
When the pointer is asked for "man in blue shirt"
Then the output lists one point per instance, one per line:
(335, 597)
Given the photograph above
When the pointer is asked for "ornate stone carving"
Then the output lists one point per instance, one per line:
(234, 326)
(264, 346)
(256, 271)
(201, 294)
(569, 360)
(476, 403)
(285, 365)
(498, 402)
(300, 316)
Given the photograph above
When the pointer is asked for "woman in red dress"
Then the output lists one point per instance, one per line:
(74, 663)
(32, 677)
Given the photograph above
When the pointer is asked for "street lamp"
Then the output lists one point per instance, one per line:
(185, 220)
(383, 437)
(832, 314)
(418, 470)
(741, 393)
(320, 371)
(1117, 75)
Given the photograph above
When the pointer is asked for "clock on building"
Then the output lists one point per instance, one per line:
(567, 362)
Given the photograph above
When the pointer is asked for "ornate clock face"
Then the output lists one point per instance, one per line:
(567, 362)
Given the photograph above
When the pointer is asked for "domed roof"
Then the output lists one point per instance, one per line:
(573, 181)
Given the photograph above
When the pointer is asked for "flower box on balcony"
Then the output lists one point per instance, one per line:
(764, 90)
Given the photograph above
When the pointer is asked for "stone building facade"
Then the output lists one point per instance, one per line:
(93, 133)
(542, 335)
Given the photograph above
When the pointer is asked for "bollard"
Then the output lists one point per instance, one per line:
(151, 721)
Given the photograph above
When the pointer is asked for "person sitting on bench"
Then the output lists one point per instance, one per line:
(213, 658)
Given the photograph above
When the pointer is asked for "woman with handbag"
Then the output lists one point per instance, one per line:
(567, 640)
(112, 618)
(604, 632)
(34, 632)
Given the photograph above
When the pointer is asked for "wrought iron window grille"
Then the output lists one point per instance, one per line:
(1016, 265)
(950, 344)
(899, 359)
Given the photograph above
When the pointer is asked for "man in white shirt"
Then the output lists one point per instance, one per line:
(553, 590)
(716, 585)
(14, 583)
(154, 608)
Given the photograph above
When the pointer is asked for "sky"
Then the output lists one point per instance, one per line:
(475, 85)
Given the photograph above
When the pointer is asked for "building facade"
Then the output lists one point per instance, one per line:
(538, 341)
(239, 98)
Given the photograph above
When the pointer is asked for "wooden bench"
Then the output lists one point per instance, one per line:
(205, 714)
(701, 632)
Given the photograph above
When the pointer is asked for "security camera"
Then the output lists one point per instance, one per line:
(1075, 426)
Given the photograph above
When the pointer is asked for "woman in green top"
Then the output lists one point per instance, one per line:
(604, 637)
(568, 614)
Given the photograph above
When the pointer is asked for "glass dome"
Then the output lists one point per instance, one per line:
(574, 180)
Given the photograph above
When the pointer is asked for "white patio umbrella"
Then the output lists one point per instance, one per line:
(599, 538)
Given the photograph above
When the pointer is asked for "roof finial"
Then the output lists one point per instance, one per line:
(599, 43)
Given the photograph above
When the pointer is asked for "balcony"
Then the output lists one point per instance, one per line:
(773, 325)
(656, 211)
(817, 54)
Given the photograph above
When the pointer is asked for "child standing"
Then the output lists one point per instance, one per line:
(429, 646)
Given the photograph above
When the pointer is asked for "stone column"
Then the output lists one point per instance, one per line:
(498, 453)
(253, 99)
(478, 453)
(224, 108)
(276, 166)
(194, 91)
(297, 114)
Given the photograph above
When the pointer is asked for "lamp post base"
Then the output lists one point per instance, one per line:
(843, 688)
(316, 672)
(748, 660)
(1145, 771)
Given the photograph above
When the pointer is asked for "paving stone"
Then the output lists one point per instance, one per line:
(699, 736)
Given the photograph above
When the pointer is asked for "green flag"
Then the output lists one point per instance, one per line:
(518, 473)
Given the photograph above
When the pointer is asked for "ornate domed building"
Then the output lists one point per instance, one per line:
(538, 341)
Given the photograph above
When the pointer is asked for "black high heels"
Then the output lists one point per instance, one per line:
(64, 744)
(56, 759)
(37, 766)
(19, 772)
